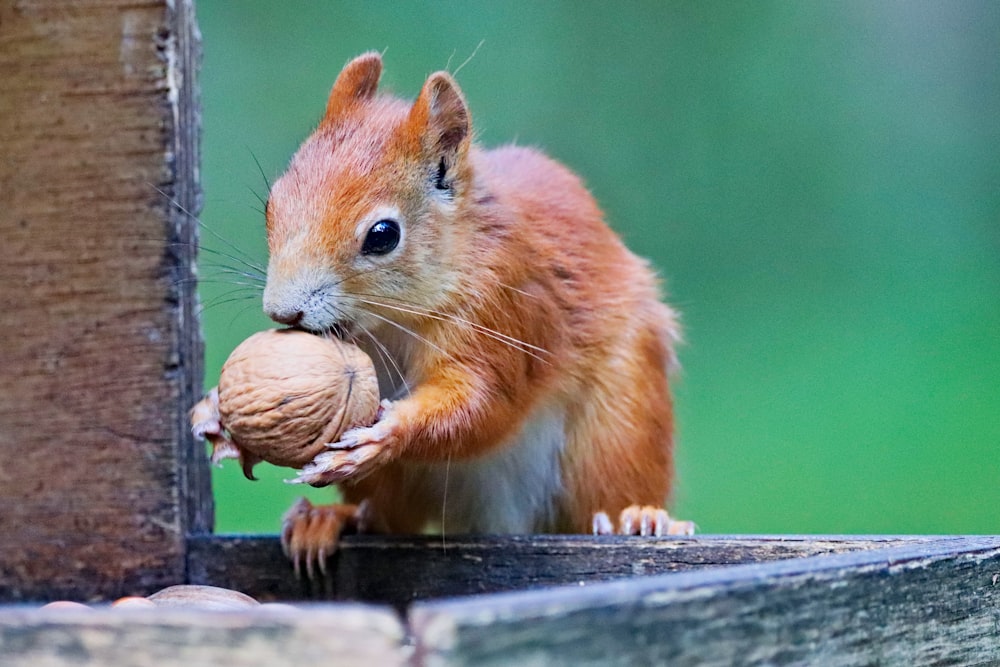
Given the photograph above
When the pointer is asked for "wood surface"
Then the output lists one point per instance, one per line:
(101, 349)
(397, 570)
(927, 603)
(857, 601)
(342, 635)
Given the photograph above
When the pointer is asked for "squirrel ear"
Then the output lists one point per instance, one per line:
(357, 82)
(441, 117)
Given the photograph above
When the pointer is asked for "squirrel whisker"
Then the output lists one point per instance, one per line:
(386, 358)
(409, 331)
(511, 341)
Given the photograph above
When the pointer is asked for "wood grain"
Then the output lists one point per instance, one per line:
(101, 348)
(929, 603)
(321, 635)
(858, 601)
(400, 570)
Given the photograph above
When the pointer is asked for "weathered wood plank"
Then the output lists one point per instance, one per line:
(888, 600)
(318, 635)
(101, 348)
(194, 475)
(399, 570)
(919, 604)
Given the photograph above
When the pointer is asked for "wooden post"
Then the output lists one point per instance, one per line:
(100, 484)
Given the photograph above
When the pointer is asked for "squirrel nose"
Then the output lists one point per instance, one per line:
(288, 317)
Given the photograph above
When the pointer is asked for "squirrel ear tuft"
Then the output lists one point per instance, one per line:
(442, 117)
(357, 82)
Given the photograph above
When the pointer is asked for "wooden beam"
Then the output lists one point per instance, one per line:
(194, 480)
(919, 604)
(99, 485)
(400, 570)
(345, 635)
(860, 601)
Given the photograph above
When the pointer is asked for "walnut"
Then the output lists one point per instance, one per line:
(182, 595)
(205, 597)
(283, 395)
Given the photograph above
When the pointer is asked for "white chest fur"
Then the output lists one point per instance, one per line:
(510, 491)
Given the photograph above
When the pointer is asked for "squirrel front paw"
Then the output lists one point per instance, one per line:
(206, 424)
(358, 452)
(205, 421)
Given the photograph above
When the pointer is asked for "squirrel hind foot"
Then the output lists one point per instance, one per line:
(643, 520)
(310, 534)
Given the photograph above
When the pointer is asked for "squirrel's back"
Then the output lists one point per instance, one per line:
(561, 233)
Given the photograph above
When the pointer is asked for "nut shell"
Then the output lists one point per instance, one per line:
(204, 597)
(63, 605)
(284, 394)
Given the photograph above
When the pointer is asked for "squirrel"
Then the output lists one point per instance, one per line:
(524, 351)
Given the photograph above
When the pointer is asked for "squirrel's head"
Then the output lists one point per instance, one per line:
(362, 226)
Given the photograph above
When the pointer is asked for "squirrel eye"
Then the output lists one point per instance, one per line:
(382, 238)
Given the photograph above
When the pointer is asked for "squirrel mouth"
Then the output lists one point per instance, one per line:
(341, 330)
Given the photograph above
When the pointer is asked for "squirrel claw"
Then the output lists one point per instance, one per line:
(602, 524)
(340, 464)
(358, 452)
(347, 442)
(206, 424)
(363, 436)
(310, 534)
(205, 420)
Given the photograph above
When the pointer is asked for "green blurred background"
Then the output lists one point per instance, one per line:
(817, 182)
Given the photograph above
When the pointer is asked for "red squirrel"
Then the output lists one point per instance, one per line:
(524, 352)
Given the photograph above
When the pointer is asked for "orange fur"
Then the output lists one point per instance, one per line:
(507, 297)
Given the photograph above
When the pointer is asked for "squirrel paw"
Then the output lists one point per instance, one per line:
(207, 425)
(340, 464)
(358, 452)
(644, 520)
(205, 422)
(310, 533)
